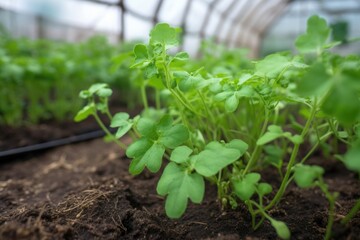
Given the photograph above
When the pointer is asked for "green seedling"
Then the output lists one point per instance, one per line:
(218, 120)
(97, 98)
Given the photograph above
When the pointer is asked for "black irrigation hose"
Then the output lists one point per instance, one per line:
(54, 143)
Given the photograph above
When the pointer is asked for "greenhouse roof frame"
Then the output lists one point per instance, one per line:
(234, 23)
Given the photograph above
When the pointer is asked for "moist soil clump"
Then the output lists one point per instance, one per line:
(84, 191)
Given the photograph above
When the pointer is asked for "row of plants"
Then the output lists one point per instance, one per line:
(41, 79)
(226, 121)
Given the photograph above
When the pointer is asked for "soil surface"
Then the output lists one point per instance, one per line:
(84, 191)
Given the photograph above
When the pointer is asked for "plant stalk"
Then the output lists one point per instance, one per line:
(108, 133)
(354, 210)
(292, 161)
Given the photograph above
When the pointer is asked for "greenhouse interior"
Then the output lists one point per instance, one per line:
(188, 119)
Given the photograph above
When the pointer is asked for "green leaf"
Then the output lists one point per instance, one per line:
(231, 103)
(214, 157)
(246, 187)
(189, 83)
(305, 175)
(84, 94)
(275, 132)
(104, 92)
(245, 91)
(151, 71)
(315, 82)
(155, 136)
(343, 103)
(151, 159)
(84, 113)
(296, 139)
(238, 145)
(164, 124)
(268, 137)
(272, 65)
(179, 185)
(223, 95)
(281, 229)
(275, 129)
(274, 155)
(122, 130)
(171, 174)
(96, 87)
(182, 56)
(181, 154)
(164, 34)
(175, 136)
(314, 40)
(352, 158)
(121, 121)
(147, 128)
(252, 178)
(264, 188)
(138, 148)
(141, 56)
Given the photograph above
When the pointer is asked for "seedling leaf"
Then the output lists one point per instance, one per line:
(281, 229)
(272, 65)
(121, 121)
(343, 103)
(84, 113)
(238, 144)
(141, 56)
(314, 39)
(179, 185)
(305, 175)
(264, 188)
(231, 103)
(181, 154)
(182, 56)
(151, 159)
(147, 128)
(215, 157)
(246, 187)
(164, 34)
(315, 82)
(104, 92)
(96, 87)
(175, 136)
(352, 158)
(268, 137)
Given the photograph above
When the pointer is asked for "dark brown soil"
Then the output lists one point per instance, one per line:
(84, 191)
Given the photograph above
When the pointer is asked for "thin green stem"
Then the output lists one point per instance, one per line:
(354, 210)
(292, 161)
(257, 149)
(261, 210)
(331, 198)
(108, 133)
(107, 111)
(144, 97)
(311, 151)
(182, 100)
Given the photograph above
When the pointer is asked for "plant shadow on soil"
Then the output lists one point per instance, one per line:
(84, 191)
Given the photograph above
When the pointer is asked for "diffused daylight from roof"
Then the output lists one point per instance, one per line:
(235, 23)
